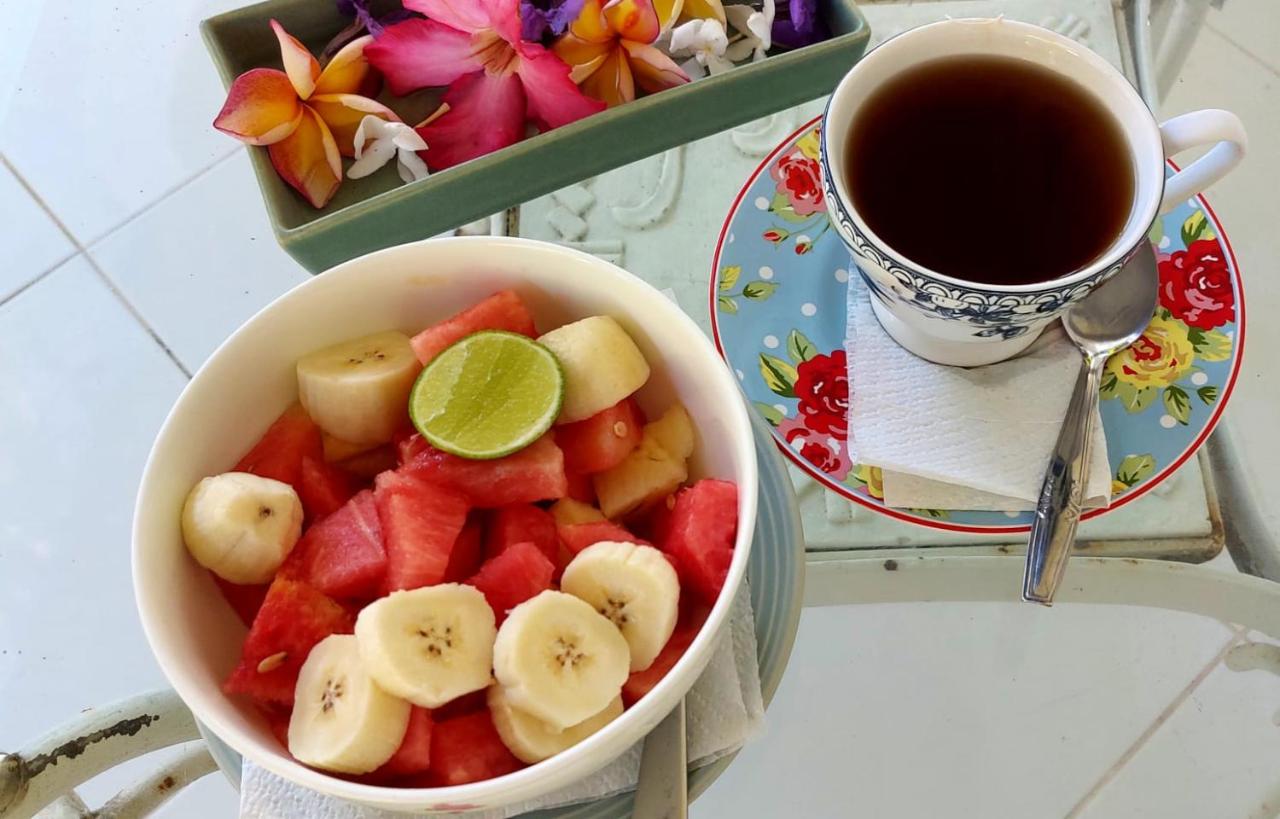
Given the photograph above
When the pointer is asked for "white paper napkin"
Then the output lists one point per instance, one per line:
(953, 438)
(723, 710)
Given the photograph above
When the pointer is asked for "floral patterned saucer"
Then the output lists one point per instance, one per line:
(778, 288)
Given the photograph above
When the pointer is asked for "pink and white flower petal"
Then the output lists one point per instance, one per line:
(654, 71)
(346, 72)
(261, 107)
(343, 114)
(422, 53)
(376, 141)
(299, 64)
(486, 113)
(504, 18)
(308, 160)
(635, 20)
(553, 98)
(465, 15)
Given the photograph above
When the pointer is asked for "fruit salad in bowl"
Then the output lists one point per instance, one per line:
(453, 524)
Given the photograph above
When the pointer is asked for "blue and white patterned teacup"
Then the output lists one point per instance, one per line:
(952, 321)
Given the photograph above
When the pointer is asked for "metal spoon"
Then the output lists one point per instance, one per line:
(663, 790)
(1109, 319)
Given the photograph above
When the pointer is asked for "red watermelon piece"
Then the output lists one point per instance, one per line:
(277, 719)
(580, 487)
(468, 749)
(518, 523)
(367, 465)
(534, 473)
(700, 535)
(468, 551)
(421, 522)
(578, 536)
(520, 572)
(603, 440)
(279, 453)
(502, 311)
(245, 600)
(461, 706)
(642, 682)
(343, 555)
(293, 618)
(414, 754)
(323, 488)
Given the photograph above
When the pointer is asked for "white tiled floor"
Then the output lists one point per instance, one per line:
(887, 710)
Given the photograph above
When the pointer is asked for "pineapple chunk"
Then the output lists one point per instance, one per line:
(674, 431)
(601, 364)
(336, 449)
(568, 511)
(649, 473)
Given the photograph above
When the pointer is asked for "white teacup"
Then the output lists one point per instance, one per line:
(964, 323)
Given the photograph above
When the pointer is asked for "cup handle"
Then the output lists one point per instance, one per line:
(1201, 128)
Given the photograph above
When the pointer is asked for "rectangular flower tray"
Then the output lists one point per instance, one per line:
(378, 211)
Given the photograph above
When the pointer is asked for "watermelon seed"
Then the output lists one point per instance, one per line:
(620, 428)
(272, 663)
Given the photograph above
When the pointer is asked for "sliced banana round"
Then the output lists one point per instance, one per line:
(342, 720)
(531, 739)
(358, 390)
(429, 645)
(560, 660)
(635, 587)
(240, 526)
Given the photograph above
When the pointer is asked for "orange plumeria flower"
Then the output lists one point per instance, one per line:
(609, 49)
(307, 118)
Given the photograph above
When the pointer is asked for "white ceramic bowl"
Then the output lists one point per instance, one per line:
(249, 380)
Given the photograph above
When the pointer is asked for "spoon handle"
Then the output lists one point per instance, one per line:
(1053, 532)
(662, 792)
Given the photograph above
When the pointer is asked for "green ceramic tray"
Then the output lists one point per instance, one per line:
(378, 211)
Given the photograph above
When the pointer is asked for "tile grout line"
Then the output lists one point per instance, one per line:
(39, 277)
(1270, 69)
(1161, 718)
(164, 196)
(137, 316)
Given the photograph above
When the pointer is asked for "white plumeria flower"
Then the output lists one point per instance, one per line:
(755, 27)
(377, 140)
(703, 42)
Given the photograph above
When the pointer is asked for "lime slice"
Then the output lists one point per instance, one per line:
(488, 395)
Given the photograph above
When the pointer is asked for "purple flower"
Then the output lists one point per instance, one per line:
(364, 23)
(538, 18)
(796, 24)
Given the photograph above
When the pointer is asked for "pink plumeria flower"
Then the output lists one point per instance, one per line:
(497, 81)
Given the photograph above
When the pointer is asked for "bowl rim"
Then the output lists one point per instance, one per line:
(589, 755)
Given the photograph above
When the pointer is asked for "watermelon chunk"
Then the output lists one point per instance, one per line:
(468, 749)
(414, 754)
(700, 535)
(293, 618)
(518, 523)
(367, 465)
(502, 311)
(467, 552)
(279, 453)
(580, 487)
(277, 720)
(461, 706)
(603, 440)
(519, 573)
(642, 682)
(323, 488)
(245, 600)
(343, 555)
(534, 473)
(420, 523)
(578, 536)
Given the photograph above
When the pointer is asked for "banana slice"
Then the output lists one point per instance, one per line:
(358, 391)
(428, 645)
(240, 526)
(601, 364)
(635, 587)
(342, 721)
(531, 739)
(559, 660)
